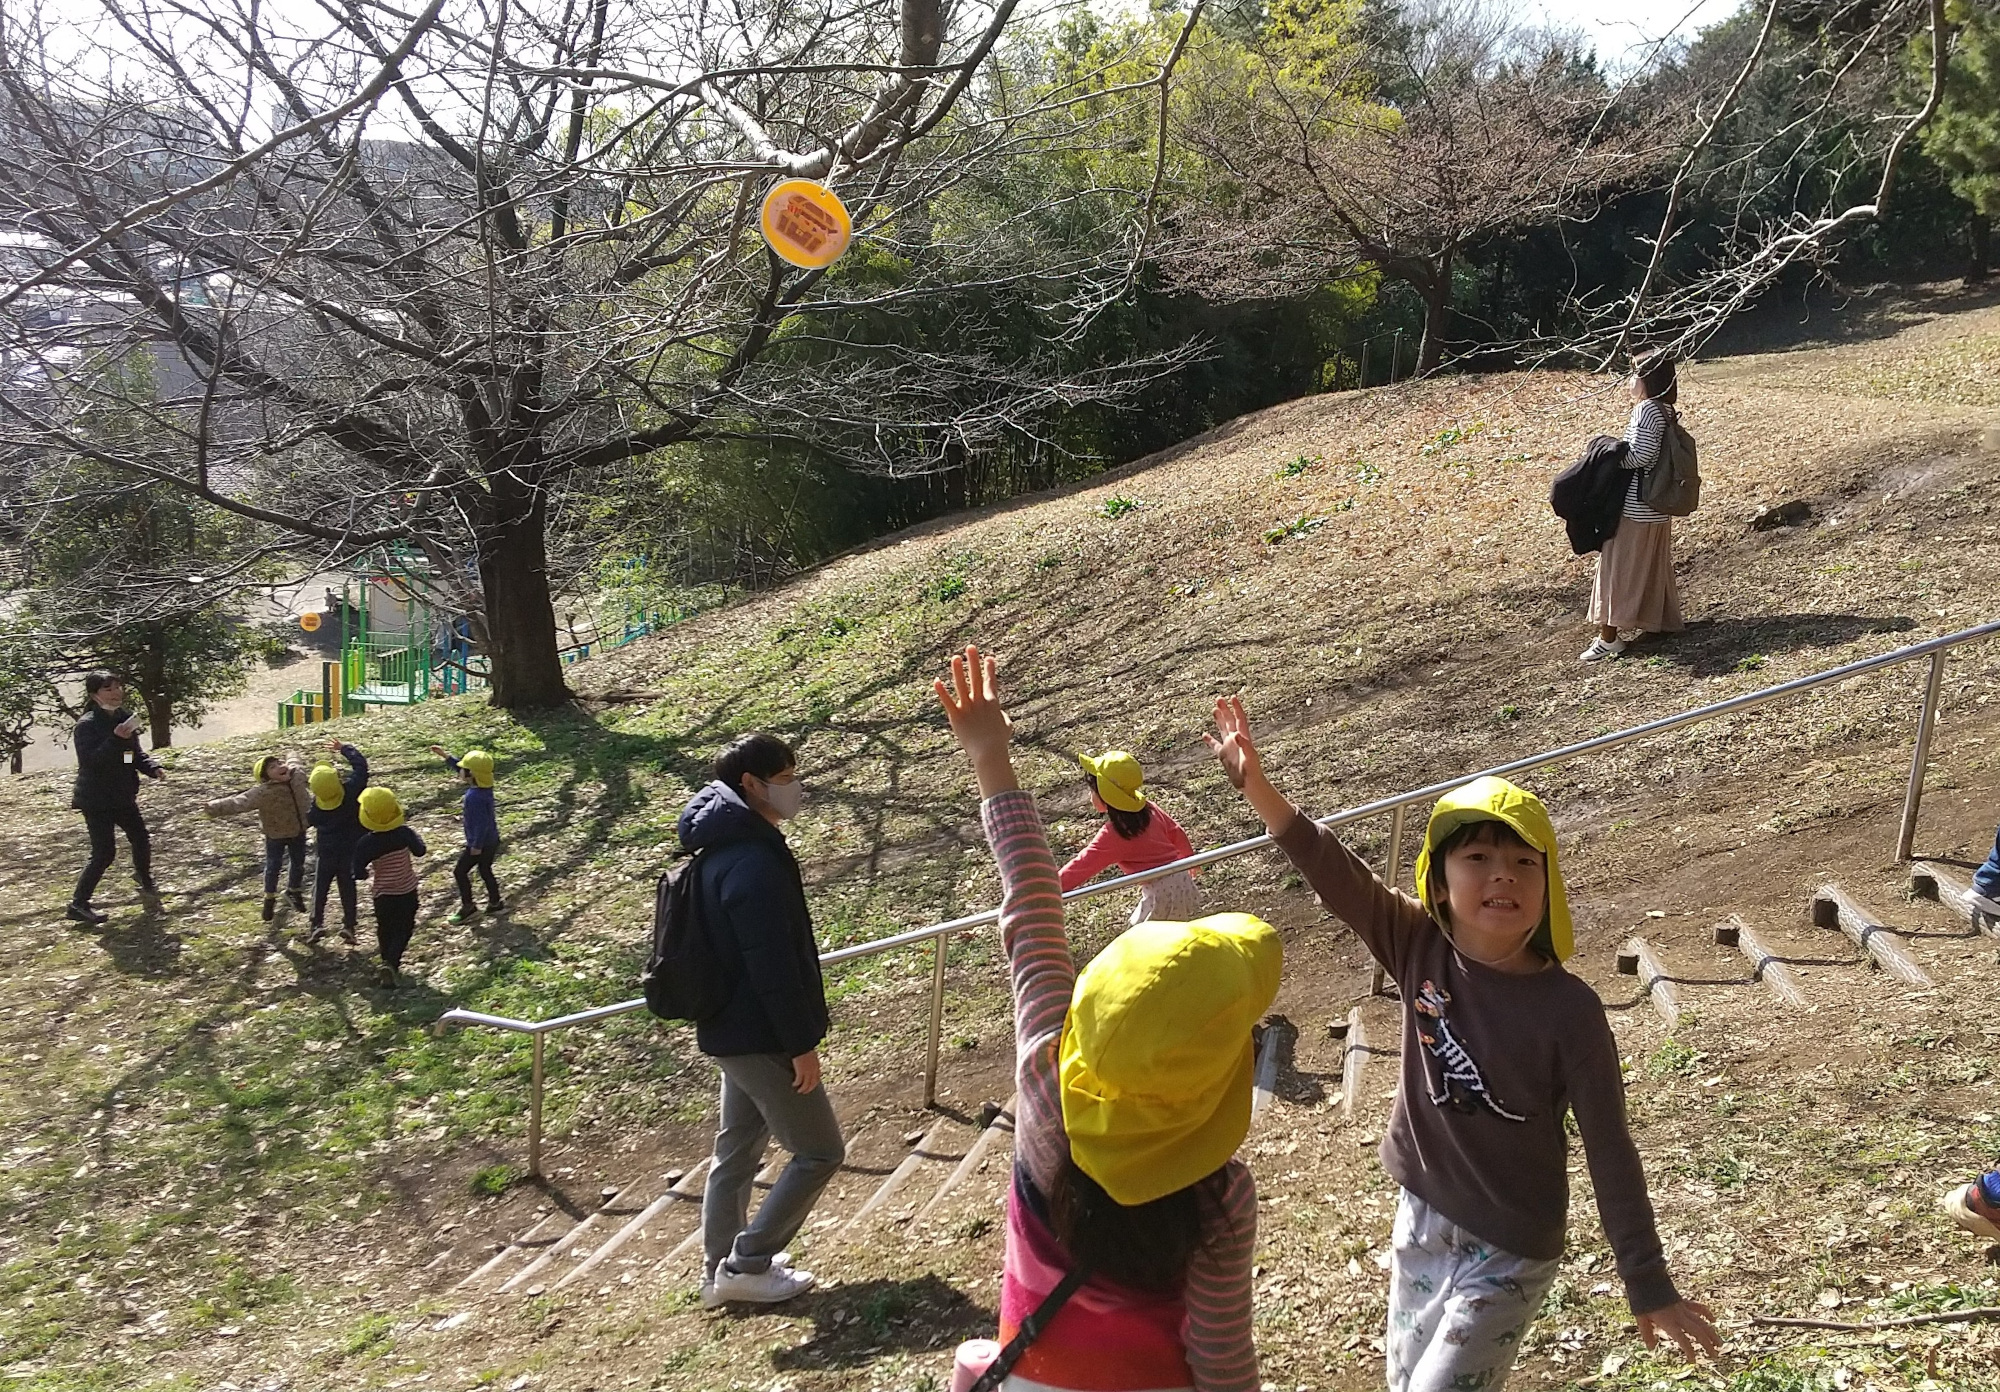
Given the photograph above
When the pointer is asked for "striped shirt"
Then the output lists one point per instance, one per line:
(1216, 1331)
(386, 856)
(1646, 433)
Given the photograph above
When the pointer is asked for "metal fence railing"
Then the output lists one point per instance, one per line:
(1394, 807)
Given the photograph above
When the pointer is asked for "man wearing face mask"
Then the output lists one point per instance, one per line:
(766, 1040)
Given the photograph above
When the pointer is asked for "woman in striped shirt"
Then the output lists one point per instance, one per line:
(1635, 586)
(1134, 1080)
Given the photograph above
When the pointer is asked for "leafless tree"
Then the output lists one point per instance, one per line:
(1781, 129)
(1407, 153)
(420, 276)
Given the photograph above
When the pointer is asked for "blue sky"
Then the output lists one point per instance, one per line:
(1623, 30)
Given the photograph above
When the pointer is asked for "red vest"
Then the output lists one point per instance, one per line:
(1107, 1338)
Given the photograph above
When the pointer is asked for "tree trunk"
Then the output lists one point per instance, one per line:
(160, 720)
(1981, 229)
(1437, 310)
(520, 610)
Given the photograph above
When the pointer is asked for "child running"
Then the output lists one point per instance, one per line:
(1137, 835)
(482, 831)
(1499, 1042)
(1130, 1226)
(384, 852)
(336, 818)
(279, 799)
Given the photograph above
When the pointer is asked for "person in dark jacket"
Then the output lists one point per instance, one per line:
(108, 764)
(766, 1040)
(482, 831)
(335, 816)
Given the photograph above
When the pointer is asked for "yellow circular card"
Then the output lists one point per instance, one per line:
(806, 224)
(309, 621)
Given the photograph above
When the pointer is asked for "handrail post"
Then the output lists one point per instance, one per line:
(937, 1021)
(535, 1113)
(1920, 758)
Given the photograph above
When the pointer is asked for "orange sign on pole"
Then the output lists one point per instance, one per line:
(806, 224)
(309, 622)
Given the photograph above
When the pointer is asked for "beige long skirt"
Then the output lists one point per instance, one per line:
(1635, 585)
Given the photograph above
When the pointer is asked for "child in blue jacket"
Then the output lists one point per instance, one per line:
(482, 831)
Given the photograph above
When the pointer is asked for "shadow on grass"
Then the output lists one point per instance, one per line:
(1717, 647)
(854, 1324)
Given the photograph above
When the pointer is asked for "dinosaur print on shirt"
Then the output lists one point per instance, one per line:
(1459, 1083)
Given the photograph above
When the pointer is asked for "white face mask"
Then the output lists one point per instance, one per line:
(784, 798)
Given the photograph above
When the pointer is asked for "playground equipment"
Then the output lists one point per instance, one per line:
(394, 651)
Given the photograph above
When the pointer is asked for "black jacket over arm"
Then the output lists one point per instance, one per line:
(105, 780)
(753, 903)
(1589, 495)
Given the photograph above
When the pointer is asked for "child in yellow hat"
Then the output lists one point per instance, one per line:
(1499, 1043)
(335, 817)
(385, 855)
(1137, 835)
(279, 798)
(1130, 1224)
(482, 831)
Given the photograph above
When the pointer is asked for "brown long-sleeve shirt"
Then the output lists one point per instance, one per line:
(1491, 1063)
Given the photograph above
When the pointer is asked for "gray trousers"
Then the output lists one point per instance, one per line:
(1458, 1305)
(759, 1103)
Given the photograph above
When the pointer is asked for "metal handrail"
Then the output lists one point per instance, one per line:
(1395, 805)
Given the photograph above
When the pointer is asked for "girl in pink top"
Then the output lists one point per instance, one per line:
(1134, 1080)
(1137, 835)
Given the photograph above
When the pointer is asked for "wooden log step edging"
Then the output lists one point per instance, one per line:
(1354, 1057)
(1765, 966)
(611, 1206)
(1265, 1080)
(1002, 1124)
(1641, 960)
(1929, 880)
(924, 1152)
(1833, 907)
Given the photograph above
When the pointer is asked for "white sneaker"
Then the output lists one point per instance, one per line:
(1986, 907)
(1599, 650)
(771, 1287)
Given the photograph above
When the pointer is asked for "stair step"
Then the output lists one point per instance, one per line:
(1834, 907)
(987, 1141)
(1929, 880)
(591, 1222)
(933, 1149)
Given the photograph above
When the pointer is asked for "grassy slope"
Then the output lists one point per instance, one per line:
(223, 1132)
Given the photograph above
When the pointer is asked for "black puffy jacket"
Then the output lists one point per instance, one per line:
(753, 901)
(107, 765)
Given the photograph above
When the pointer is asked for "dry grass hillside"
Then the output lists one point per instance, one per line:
(231, 1161)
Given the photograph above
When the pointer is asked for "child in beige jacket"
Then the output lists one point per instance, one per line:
(279, 797)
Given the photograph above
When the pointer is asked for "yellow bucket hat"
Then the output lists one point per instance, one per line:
(325, 784)
(1497, 800)
(479, 764)
(1119, 779)
(1156, 1060)
(379, 810)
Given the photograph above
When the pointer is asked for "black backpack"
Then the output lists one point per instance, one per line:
(685, 977)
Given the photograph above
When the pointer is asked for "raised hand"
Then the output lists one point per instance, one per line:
(971, 703)
(1690, 1324)
(1231, 742)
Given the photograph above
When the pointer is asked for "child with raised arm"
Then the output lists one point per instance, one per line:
(1137, 835)
(1499, 1042)
(482, 831)
(1130, 1224)
(279, 798)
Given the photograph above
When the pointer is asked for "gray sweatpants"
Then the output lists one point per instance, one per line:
(758, 1103)
(1458, 1305)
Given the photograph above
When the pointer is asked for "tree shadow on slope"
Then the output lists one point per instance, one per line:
(1720, 646)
